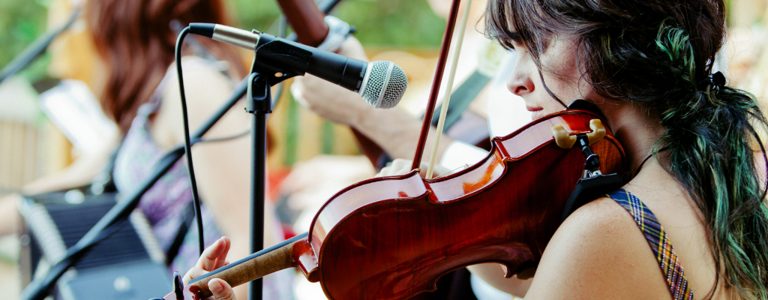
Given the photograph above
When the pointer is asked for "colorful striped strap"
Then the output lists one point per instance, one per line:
(658, 241)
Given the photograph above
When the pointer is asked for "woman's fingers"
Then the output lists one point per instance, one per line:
(401, 166)
(396, 167)
(220, 290)
(215, 255)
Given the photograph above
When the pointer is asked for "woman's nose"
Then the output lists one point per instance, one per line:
(519, 82)
(520, 85)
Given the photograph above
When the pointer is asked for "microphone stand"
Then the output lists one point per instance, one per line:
(259, 104)
(39, 288)
(260, 81)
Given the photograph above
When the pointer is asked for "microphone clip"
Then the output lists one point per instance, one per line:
(277, 52)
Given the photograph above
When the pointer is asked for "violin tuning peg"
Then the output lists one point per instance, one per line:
(562, 138)
(598, 131)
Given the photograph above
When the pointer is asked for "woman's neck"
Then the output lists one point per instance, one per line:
(636, 129)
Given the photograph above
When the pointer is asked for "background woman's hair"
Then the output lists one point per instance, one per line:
(660, 53)
(136, 41)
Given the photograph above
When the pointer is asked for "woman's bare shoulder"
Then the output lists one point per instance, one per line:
(598, 252)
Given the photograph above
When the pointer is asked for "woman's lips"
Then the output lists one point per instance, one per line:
(536, 112)
(534, 109)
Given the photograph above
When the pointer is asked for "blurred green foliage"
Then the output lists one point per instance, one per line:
(394, 23)
(22, 22)
(379, 23)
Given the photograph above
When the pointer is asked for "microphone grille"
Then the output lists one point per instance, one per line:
(384, 84)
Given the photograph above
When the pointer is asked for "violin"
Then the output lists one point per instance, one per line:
(393, 237)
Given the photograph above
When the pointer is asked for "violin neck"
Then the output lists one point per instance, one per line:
(251, 267)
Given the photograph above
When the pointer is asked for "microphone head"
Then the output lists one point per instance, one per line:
(384, 84)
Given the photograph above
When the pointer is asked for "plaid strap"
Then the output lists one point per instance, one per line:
(657, 239)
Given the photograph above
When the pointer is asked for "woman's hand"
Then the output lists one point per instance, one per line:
(213, 258)
(402, 166)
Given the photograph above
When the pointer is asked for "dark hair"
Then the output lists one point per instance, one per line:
(660, 53)
(136, 40)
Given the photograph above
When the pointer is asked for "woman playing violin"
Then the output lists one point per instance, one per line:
(689, 138)
(691, 142)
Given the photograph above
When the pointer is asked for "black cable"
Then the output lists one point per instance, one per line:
(187, 143)
(221, 139)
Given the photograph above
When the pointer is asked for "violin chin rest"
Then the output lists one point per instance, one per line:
(598, 131)
(563, 138)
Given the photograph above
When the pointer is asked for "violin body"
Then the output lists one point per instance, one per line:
(393, 237)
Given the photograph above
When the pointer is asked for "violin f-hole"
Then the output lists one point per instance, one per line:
(564, 139)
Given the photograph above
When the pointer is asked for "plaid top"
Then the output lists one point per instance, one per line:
(657, 239)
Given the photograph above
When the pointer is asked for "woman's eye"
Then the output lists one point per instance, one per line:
(507, 45)
(510, 44)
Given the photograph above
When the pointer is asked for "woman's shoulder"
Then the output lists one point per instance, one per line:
(601, 225)
(598, 252)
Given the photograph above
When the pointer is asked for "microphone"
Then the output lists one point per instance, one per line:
(381, 83)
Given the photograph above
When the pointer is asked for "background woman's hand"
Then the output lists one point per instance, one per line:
(329, 100)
